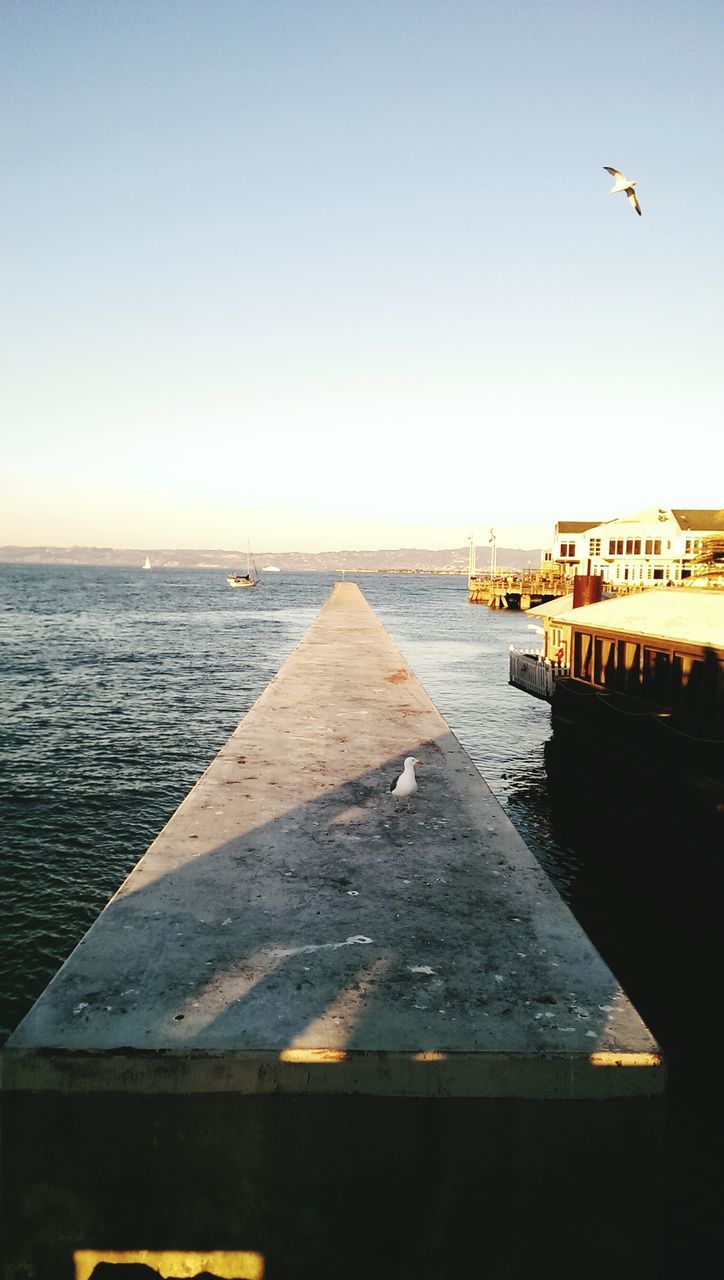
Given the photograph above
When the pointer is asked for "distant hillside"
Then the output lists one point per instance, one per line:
(413, 559)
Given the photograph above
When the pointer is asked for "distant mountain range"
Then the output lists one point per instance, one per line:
(403, 559)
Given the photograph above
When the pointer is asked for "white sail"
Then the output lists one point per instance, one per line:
(147, 563)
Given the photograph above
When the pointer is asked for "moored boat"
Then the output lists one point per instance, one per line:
(248, 579)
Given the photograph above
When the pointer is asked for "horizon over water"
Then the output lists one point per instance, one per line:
(119, 687)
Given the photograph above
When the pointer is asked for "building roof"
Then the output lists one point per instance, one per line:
(576, 526)
(689, 617)
(553, 608)
(699, 520)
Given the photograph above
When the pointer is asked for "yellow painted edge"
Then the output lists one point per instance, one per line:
(235, 1265)
(602, 1058)
(606, 1058)
(313, 1055)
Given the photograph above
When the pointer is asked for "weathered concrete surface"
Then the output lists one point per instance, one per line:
(442, 1030)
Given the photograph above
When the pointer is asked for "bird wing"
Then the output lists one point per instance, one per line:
(394, 784)
(631, 197)
(614, 173)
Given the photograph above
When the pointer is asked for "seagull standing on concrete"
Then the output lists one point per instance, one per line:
(404, 787)
(623, 184)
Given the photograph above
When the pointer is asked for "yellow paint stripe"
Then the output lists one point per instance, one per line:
(608, 1059)
(313, 1055)
(429, 1055)
(181, 1263)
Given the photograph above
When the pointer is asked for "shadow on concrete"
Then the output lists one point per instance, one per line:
(258, 942)
(340, 922)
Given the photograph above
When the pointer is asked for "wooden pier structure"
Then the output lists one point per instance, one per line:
(516, 590)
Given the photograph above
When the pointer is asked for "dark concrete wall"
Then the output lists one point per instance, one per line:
(336, 1187)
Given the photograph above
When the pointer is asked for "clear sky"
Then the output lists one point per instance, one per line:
(325, 274)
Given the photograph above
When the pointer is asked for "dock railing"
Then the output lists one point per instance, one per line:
(534, 674)
(526, 583)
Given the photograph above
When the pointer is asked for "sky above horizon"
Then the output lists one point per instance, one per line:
(331, 274)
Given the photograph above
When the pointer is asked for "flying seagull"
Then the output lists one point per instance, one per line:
(623, 184)
(404, 787)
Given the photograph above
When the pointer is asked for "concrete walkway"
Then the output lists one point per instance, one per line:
(289, 932)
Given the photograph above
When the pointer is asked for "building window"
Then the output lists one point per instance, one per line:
(628, 667)
(657, 665)
(594, 546)
(556, 647)
(582, 653)
(568, 550)
(649, 546)
(629, 546)
(687, 547)
(612, 546)
(658, 575)
(604, 662)
(687, 683)
(637, 547)
(657, 546)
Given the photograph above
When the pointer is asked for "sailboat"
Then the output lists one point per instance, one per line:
(146, 564)
(250, 578)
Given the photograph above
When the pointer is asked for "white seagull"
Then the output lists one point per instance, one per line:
(623, 184)
(404, 787)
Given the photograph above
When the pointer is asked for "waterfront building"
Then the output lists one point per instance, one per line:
(659, 545)
(642, 674)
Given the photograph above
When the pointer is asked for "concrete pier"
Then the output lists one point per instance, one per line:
(314, 1036)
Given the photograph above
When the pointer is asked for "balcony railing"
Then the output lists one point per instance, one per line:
(534, 674)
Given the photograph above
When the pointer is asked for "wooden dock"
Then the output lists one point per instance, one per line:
(516, 590)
